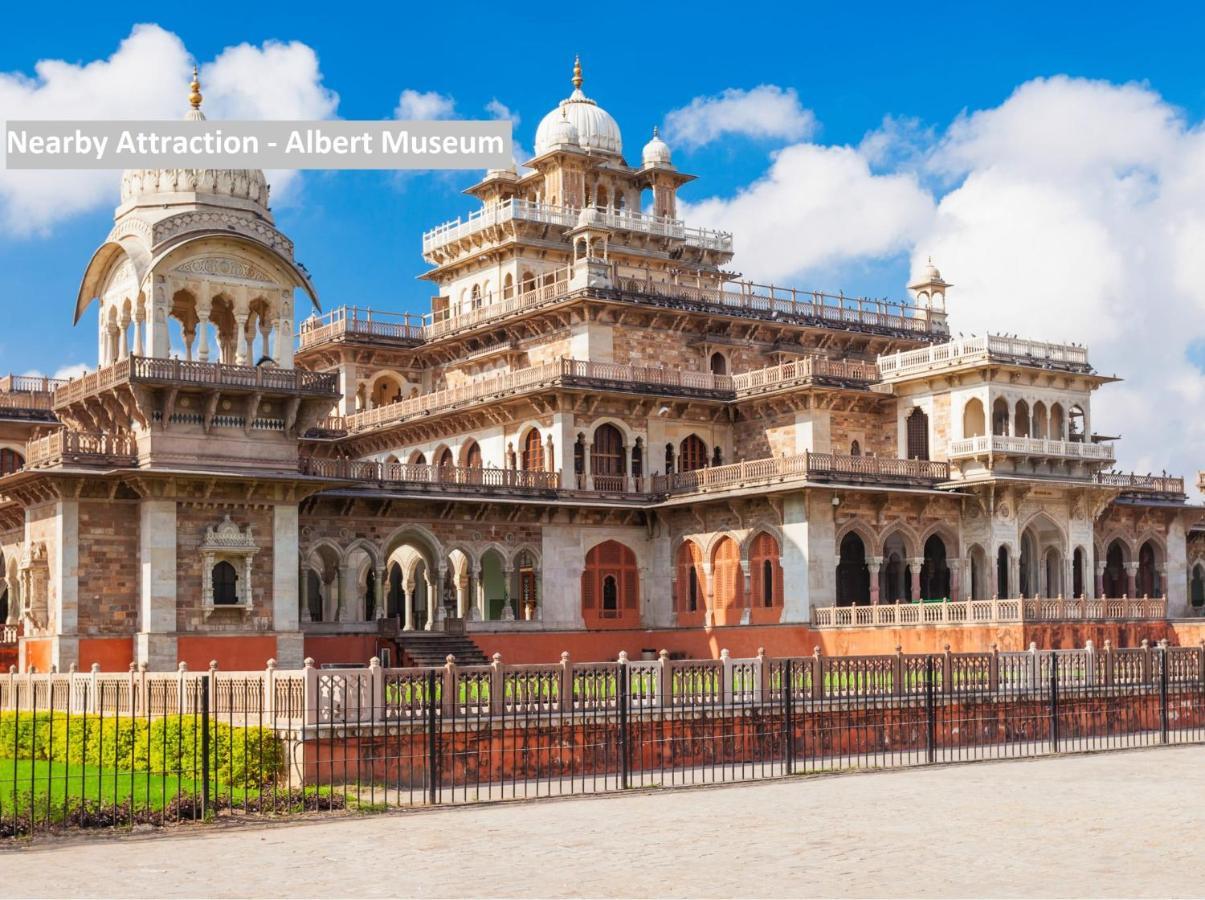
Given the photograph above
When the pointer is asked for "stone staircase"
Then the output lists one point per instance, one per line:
(431, 648)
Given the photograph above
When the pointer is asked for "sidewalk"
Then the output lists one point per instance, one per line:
(1115, 824)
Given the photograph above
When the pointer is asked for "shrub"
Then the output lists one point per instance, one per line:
(170, 744)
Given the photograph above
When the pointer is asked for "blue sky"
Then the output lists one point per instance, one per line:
(924, 68)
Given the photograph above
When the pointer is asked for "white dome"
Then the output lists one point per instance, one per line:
(596, 130)
(560, 132)
(656, 152)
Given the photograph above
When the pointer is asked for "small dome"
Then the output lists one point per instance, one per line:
(596, 130)
(931, 271)
(561, 132)
(656, 152)
(238, 184)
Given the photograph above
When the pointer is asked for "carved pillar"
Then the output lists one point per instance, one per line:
(284, 331)
(956, 567)
(240, 336)
(914, 567)
(381, 586)
(1131, 579)
(1100, 579)
(123, 342)
(246, 586)
(476, 601)
(1014, 575)
(408, 603)
(303, 592)
(434, 596)
(508, 612)
(139, 329)
(874, 565)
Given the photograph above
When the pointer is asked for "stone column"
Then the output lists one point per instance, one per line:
(139, 328)
(1014, 575)
(587, 466)
(156, 641)
(240, 336)
(956, 566)
(874, 565)
(382, 592)
(303, 593)
(346, 592)
(914, 566)
(1100, 579)
(407, 602)
(1131, 579)
(284, 331)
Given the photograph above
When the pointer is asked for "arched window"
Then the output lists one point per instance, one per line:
(446, 460)
(1075, 424)
(1196, 592)
(934, 572)
(533, 451)
(1147, 583)
(855, 449)
(728, 583)
(1021, 420)
(765, 569)
(606, 458)
(1040, 421)
(918, 434)
(689, 596)
(610, 586)
(1115, 575)
(471, 455)
(10, 461)
(973, 424)
(476, 296)
(719, 365)
(1002, 572)
(419, 459)
(370, 594)
(1058, 425)
(1000, 417)
(393, 604)
(225, 584)
(1077, 572)
(692, 453)
(853, 576)
(508, 286)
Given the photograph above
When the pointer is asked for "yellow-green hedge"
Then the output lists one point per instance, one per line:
(170, 744)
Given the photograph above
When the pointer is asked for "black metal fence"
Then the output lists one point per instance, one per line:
(91, 749)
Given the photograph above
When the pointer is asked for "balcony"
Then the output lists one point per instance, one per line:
(582, 373)
(973, 350)
(988, 612)
(813, 467)
(441, 479)
(565, 217)
(28, 397)
(795, 306)
(78, 448)
(1005, 445)
(362, 325)
(1143, 485)
(205, 375)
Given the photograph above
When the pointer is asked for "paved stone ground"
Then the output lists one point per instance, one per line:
(1117, 824)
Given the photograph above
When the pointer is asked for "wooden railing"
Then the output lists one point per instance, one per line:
(200, 374)
(986, 612)
(972, 349)
(81, 447)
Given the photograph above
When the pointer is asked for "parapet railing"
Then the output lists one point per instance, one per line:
(973, 349)
(1027, 446)
(1128, 481)
(28, 391)
(808, 305)
(353, 320)
(990, 612)
(451, 477)
(543, 213)
(81, 448)
(198, 374)
(565, 371)
(373, 695)
(804, 466)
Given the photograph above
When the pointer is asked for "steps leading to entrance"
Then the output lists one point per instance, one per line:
(431, 648)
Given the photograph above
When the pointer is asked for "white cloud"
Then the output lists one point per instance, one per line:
(71, 370)
(499, 110)
(766, 111)
(417, 105)
(817, 207)
(1073, 211)
(146, 77)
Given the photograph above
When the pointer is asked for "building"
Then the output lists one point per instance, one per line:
(599, 437)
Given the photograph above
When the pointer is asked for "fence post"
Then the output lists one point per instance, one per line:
(432, 740)
(449, 688)
(204, 684)
(1090, 657)
(993, 670)
(762, 688)
(1163, 692)
(93, 704)
(665, 697)
(930, 711)
(1146, 661)
(726, 686)
(565, 693)
(1035, 668)
(268, 702)
(897, 672)
(131, 683)
(497, 687)
(788, 714)
(947, 672)
(311, 692)
(1054, 703)
(1110, 662)
(376, 691)
(817, 674)
(625, 759)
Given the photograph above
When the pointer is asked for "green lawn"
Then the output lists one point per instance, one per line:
(63, 784)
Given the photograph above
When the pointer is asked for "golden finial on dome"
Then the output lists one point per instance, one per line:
(577, 72)
(194, 98)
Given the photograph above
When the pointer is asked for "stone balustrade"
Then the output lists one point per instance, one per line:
(1007, 445)
(989, 612)
(66, 447)
(910, 363)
